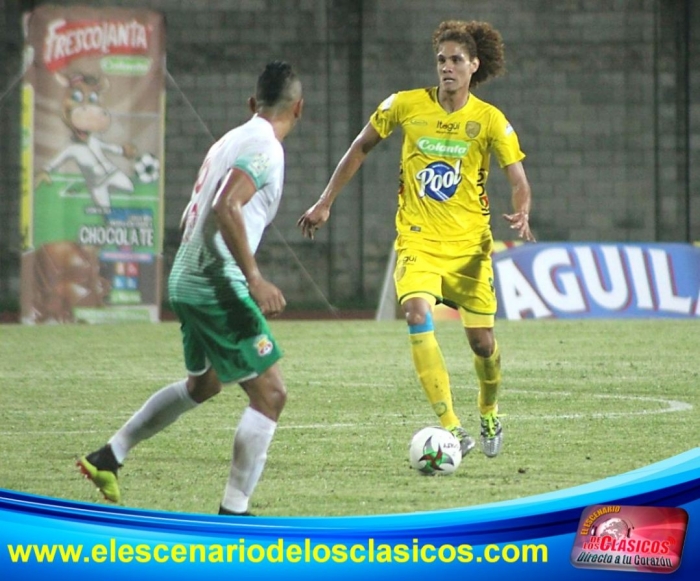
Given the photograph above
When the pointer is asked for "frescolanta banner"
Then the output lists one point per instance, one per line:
(93, 102)
(597, 280)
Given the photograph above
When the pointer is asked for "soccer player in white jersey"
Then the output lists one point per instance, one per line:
(220, 296)
(444, 241)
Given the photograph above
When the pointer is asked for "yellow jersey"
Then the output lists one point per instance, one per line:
(445, 162)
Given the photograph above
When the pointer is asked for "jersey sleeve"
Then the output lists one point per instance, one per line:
(257, 161)
(504, 141)
(385, 118)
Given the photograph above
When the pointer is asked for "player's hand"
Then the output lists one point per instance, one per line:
(315, 217)
(520, 222)
(269, 298)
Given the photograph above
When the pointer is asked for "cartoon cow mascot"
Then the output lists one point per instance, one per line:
(85, 116)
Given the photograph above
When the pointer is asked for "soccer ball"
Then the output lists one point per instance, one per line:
(434, 451)
(147, 168)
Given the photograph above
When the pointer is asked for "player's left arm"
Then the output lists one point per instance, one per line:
(521, 197)
(236, 191)
(506, 146)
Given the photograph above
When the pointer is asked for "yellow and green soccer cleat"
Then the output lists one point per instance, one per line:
(491, 434)
(101, 468)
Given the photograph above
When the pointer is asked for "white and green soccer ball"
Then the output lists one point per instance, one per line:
(147, 168)
(434, 450)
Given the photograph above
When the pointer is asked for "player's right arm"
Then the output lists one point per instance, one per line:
(347, 167)
(235, 192)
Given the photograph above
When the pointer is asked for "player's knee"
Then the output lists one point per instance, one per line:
(416, 318)
(267, 394)
(417, 311)
(277, 397)
(206, 391)
(204, 387)
(270, 401)
(482, 345)
(482, 348)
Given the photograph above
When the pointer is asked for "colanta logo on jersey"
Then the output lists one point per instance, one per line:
(439, 180)
(443, 148)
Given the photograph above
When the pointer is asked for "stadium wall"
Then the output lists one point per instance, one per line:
(605, 95)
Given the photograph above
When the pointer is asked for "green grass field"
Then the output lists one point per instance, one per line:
(584, 400)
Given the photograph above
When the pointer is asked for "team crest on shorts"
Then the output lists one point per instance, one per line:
(263, 345)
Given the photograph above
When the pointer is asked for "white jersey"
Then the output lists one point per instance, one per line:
(204, 272)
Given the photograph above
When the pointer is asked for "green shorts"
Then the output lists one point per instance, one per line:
(232, 338)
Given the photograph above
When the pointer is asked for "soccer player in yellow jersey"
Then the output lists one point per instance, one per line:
(444, 240)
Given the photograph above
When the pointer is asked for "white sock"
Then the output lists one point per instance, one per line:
(250, 444)
(159, 411)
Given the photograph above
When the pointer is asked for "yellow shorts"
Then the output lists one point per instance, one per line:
(458, 274)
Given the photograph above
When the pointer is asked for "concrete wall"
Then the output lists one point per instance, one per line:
(604, 94)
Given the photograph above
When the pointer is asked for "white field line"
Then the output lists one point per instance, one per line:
(672, 406)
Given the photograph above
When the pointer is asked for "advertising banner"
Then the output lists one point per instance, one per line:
(592, 280)
(586, 280)
(93, 103)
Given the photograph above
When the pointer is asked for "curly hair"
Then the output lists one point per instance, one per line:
(481, 40)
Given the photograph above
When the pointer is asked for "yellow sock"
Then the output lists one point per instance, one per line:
(432, 372)
(488, 370)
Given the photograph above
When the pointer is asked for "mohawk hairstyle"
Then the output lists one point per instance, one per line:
(481, 40)
(275, 84)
